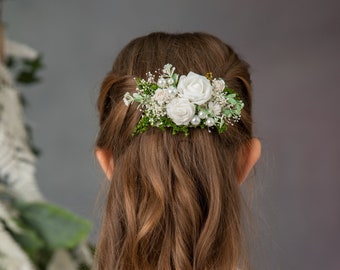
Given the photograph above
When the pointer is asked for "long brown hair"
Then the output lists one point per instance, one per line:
(174, 201)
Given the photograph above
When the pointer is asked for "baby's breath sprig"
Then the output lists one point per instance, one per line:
(184, 102)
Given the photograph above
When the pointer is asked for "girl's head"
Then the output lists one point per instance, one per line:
(174, 201)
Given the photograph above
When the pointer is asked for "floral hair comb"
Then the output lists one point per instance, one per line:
(184, 102)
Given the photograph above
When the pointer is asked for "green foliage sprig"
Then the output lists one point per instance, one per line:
(43, 227)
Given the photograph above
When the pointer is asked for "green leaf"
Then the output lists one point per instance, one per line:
(27, 74)
(175, 78)
(227, 113)
(154, 87)
(222, 128)
(232, 101)
(27, 77)
(27, 239)
(34, 64)
(142, 125)
(137, 97)
(10, 62)
(58, 227)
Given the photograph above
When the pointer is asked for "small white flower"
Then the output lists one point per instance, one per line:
(215, 108)
(218, 85)
(168, 69)
(195, 87)
(161, 96)
(158, 110)
(180, 111)
(128, 99)
(151, 77)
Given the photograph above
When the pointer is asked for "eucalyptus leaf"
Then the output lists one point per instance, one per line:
(137, 97)
(232, 101)
(175, 78)
(58, 227)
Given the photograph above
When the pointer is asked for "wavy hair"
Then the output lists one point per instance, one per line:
(174, 201)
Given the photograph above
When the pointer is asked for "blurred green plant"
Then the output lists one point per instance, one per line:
(45, 232)
(25, 70)
(42, 228)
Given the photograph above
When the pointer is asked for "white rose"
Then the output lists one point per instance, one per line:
(218, 85)
(180, 110)
(161, 96)
(215, 108)
(195, 87)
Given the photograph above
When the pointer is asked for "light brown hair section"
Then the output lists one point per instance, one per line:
(174, 201)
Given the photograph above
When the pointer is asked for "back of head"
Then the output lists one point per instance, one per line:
(173, 201)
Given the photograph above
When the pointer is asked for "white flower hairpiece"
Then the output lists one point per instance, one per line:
(184, 102)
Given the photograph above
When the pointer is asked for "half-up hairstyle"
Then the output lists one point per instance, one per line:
(174, 201)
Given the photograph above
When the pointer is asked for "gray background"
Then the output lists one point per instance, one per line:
(293, 48)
